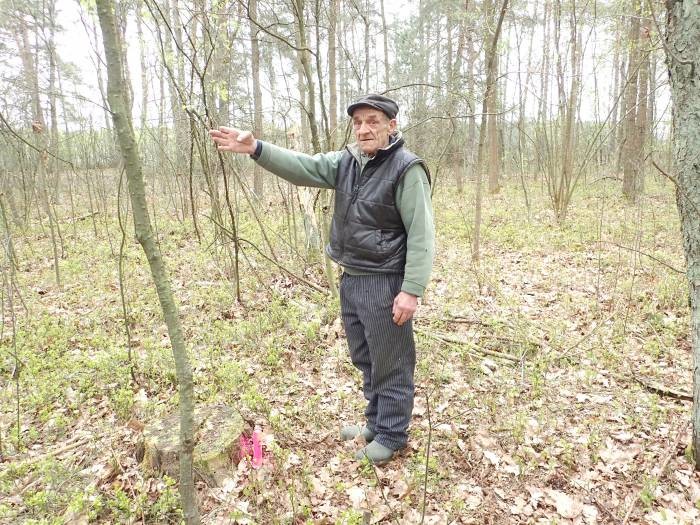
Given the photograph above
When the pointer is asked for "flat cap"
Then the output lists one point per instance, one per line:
(380, 102)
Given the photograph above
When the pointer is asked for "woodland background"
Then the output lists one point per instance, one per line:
(554, 349)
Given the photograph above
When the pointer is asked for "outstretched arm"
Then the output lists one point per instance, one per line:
(298, 168)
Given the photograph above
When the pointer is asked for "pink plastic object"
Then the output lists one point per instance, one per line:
(246, 447)
(257, 448)
(252, 447)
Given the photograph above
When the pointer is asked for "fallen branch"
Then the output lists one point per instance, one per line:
(662, 390)
(81, 217)
(482, 336)
(470, 344)
(51, 453)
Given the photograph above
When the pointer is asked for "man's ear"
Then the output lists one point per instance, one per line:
(392, 125)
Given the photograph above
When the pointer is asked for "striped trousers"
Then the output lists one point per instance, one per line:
(384, 352)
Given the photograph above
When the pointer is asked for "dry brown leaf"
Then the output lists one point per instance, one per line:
(356, 495)
(569, 507)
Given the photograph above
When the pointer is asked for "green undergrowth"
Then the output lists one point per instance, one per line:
(577, 305)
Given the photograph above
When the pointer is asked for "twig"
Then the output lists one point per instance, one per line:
(81, 217)
(670, 451)
(594, 499)
(427, 457)
(586, 336)
(680, 189)
(292, 274)
(457, 340)
(381, 490)
(51, 453)
(656, 259)
(267, 258)
(662, 390)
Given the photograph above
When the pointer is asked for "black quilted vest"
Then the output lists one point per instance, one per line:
(367, 232)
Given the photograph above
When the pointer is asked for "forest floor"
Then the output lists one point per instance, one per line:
(561, 423)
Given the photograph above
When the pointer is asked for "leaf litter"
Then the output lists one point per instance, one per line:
(562, 435)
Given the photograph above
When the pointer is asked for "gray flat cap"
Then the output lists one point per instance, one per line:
(384, 104)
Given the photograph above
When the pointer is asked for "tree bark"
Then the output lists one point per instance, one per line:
(386, 46)
(642, 122)
(631, 140)
(142, 62)
(117, 95)
(308, 106)
(490, 83)
(332, 72)
(491, 99)
(683, 61)
(258, 186)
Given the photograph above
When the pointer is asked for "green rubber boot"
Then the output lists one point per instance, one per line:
(376, 453)
(350, 432)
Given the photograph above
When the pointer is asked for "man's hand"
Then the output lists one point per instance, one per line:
(235, 140)
(404, 307)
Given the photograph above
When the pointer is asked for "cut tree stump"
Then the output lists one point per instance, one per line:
(217, 430)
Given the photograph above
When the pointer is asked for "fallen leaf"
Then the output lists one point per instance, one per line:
(569, 507)
(492, 457)
(356, 495)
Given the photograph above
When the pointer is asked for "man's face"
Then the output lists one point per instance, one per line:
(372, 129)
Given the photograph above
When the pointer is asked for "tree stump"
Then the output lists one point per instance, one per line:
(217, 430)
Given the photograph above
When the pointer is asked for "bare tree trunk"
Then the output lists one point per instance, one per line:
(683, 61)
(308, 106)
(258, 186)
(642, 122)
(117, 94)
(386, 46)
(53, 68)
(39, 129)
(490, 83)
(569, 128)
(617, 82)
(142, 62)
(494, 160)
(332, 72)
(366, 19)
(631, 139)
(620, 131)
(469, 154)
(491, 94)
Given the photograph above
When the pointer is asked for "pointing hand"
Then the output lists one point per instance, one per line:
(234, 140)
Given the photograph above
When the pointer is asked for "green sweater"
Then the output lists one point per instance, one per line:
(412, 201)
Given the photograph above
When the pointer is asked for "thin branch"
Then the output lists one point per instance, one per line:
(656, 259)
(658, 388)
(470, 344)
(670, 453)
(271, 33)
(32, 146)
(680, 190)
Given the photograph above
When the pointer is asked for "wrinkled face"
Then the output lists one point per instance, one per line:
(372, 129)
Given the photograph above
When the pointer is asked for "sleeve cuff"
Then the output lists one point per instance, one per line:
(413, 288)
(258, 150)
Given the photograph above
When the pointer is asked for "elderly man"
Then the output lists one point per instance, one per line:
(382, 235)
